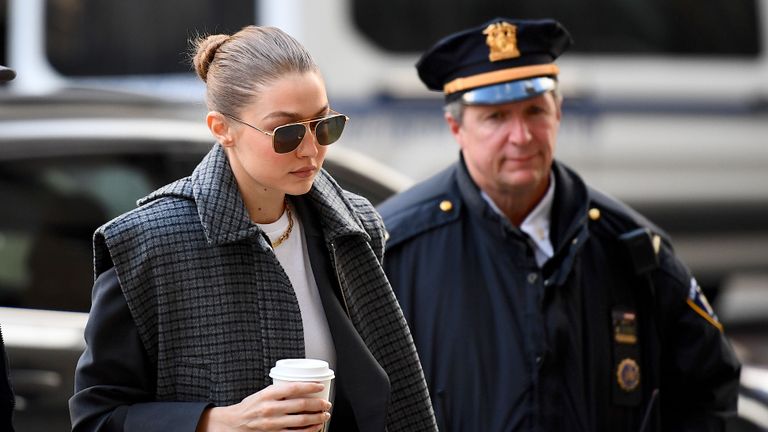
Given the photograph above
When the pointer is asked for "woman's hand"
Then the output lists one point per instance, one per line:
(286, 407)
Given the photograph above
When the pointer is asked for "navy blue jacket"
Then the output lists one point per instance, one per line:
(508, 346)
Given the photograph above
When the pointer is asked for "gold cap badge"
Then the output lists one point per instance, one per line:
(502, 41)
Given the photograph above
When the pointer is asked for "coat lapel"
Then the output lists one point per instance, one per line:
(362, 386)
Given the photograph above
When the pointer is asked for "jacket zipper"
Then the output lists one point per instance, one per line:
(338, 279)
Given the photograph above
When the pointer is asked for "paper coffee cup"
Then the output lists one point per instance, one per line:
(303, 370)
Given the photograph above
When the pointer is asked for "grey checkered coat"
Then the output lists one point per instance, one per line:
(214, 308)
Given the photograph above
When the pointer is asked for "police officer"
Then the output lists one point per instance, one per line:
(6, 391)
(536, 302)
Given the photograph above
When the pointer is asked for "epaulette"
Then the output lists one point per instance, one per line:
(424, 216)
(641, 238)
(426, 206)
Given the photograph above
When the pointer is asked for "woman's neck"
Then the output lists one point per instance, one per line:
(265, 207)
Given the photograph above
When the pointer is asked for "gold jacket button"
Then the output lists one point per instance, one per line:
(594, 214)
(446, 206)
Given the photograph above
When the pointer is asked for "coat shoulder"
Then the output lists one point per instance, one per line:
(155, 211)
(163, 213)
(364, 210)
(617, 217)
(425, 206)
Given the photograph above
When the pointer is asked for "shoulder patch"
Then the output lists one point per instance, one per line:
(698, 302)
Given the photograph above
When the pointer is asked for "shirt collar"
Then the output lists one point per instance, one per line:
(537, 223)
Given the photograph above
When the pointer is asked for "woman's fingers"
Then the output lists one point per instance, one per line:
(298, 421)
(291, 390)
(289, 406)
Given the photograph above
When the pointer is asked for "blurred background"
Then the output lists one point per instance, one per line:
(666, 108)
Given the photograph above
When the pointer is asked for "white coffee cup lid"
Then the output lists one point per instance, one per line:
(301, 370)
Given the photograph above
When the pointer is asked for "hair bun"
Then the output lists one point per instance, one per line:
(206, 50)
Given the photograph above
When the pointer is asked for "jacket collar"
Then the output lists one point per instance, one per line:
(471, 194)
(222, 211)
(570, 207)
(569, 225)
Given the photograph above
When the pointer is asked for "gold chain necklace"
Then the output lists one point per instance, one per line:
(284, 236)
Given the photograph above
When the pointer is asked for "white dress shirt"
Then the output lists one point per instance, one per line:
(536, 224)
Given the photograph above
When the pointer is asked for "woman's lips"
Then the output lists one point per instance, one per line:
(304, 172)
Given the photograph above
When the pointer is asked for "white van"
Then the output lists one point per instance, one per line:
(666, 100)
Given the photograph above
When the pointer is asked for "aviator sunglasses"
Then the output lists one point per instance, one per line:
(287, 137)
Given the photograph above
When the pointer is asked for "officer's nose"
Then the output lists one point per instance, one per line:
(517, 130)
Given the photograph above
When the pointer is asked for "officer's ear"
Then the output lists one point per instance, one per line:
(557, 95)
(453, 124)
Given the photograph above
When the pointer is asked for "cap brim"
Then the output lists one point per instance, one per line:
(513, 91)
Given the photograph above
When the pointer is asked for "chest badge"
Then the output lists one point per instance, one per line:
(624, 327)
(501, 38)
(628, 374)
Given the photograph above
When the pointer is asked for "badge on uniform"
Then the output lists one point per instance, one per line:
(628, 374)
(698, 302)
(624, 327)
(626, 355)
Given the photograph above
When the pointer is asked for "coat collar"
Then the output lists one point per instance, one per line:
(338, 217)
(568, 222)
(570, 207)
(222, 212)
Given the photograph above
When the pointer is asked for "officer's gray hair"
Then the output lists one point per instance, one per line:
(456, 108)
(237, 67)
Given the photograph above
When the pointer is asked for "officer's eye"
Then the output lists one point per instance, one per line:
(536, 109)
(495, 116)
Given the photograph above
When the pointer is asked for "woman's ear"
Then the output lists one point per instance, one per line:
(220, 128)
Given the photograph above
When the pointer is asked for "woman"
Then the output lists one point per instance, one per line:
(257, 256)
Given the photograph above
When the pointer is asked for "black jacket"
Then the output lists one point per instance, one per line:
(506, 345)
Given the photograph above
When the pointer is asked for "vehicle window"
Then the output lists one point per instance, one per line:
(53, 207)
(102, 38)
(709, 27)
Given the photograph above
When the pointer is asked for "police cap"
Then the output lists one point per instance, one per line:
(503, 60)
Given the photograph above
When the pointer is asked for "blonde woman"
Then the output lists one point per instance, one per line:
(257, 256)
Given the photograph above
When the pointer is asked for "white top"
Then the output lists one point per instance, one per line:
(294, 258)
(536, 224)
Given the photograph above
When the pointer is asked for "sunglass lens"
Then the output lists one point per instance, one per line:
(329, 130)
(288, 137)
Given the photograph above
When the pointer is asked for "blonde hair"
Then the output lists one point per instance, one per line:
(236, 67)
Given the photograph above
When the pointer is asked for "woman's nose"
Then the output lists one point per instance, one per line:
(308, 145)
